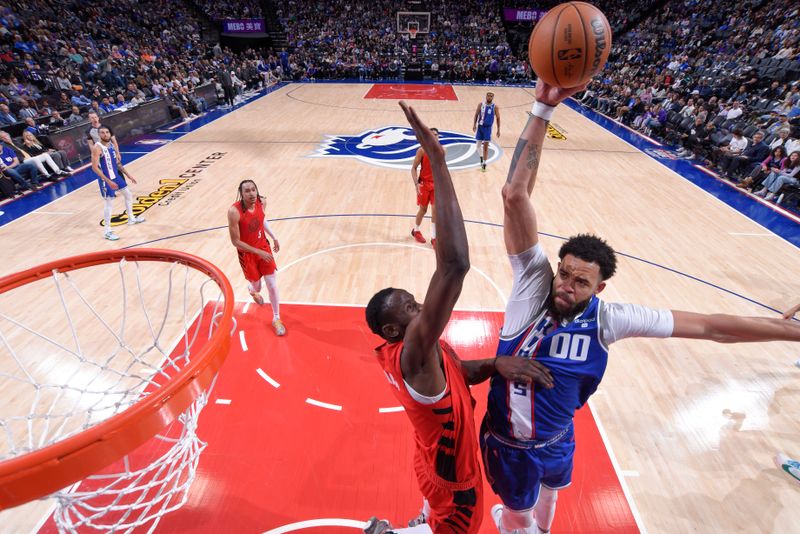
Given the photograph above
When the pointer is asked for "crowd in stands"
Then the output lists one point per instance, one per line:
(60, 59)
(466, 41)
(240, 9)
(721, 84)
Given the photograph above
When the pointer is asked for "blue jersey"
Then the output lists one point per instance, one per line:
(486, 115)
(108, 166)
(576, 358)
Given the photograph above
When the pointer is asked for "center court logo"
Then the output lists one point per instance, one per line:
(395, 147)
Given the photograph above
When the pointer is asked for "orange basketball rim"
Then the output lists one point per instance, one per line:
(46, 470)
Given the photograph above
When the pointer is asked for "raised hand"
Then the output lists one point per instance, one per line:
(553, 96)
(430, 144)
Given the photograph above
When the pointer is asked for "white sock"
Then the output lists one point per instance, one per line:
(433, 230)
(274, 300)
(128, 202)
(545, 508)
(109, 201)
(416, 228)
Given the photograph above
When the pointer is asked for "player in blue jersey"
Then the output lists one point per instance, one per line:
(556, 318)
(111, 179)
(485, 116)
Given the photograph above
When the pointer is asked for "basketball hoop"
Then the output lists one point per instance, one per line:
(87, 409)
(412, 32)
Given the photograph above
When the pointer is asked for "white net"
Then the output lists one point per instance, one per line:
(114, 334)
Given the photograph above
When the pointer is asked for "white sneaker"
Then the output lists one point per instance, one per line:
(497, 514)
(135, 220)
(789, 466)
(111, 236)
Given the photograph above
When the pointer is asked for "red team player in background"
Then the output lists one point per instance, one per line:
(427, 377)
(248, 226)
(423, 183)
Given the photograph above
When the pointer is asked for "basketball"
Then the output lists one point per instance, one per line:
(570, 44)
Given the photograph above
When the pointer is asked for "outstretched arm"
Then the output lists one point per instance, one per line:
(452, 260)
(733, 328)
(519, 220)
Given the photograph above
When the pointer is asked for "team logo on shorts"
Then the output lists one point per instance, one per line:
(396, 146)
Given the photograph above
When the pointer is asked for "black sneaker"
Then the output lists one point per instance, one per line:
(419, 520)
(377, 526)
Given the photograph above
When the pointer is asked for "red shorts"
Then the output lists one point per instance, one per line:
(254, 266)
(425, 195)
(453, 511)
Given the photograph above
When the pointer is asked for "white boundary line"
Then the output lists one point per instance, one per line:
(311, 523)
(391, 409)
(774, 207)
(326, 405)
(619, 472)
(268, 378)
(676, 173)
(53, 212)
(242, 340)
(751, 234)
(246, 306)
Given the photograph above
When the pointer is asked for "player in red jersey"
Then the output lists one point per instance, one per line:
(247, 225)
(427, 376)
(423, 183)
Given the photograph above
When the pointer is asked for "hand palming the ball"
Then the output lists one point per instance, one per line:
(552, 96)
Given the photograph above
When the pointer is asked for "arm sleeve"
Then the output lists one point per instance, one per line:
(620, 321)
(530, 288)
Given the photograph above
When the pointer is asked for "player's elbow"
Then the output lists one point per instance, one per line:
(455, 268)
(514, 195)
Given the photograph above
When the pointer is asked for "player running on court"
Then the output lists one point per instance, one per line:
(248, 226)
(427, 377)
(423, 183)
(111, 179)
(485, 116)
(558, 320)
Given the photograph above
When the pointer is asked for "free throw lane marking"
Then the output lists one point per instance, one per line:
(268, 378)
(325, 405)
(312, 523)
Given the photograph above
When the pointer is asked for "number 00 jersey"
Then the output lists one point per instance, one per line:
(576, 358)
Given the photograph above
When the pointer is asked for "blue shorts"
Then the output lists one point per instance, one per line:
(516, 474)
(107, 192)
(484, 133)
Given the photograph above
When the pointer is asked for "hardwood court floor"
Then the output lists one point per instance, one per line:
(692, 424)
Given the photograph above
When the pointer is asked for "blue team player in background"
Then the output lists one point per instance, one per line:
(556, 318)
(111, 179)
(482, 126)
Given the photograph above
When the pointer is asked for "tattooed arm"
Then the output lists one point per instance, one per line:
(519, 219)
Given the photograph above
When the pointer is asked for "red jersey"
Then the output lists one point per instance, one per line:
(251, 226)
(426, 173)
(447, 444)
